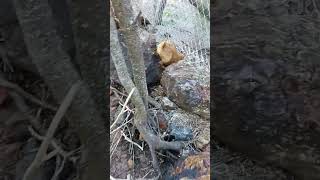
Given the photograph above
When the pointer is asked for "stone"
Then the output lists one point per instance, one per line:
(266, 83)
(181, 133)
(186, 87)
(167, 104)
(200, 127)
(195, 166)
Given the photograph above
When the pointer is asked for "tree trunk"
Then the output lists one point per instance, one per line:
(123, 10)
(91, 35)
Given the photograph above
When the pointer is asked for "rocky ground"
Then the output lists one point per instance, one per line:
(182, 88)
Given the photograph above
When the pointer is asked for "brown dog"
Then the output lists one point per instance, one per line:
(168, 53)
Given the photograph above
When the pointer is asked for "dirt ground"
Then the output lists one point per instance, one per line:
(227, 165)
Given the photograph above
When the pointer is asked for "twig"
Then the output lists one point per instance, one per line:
(129, 140)
(153, 102)
(123, 107)
(26, 95)
(53, 142)
(50, 155)
(51, 130)
(119, 92)
(114, 145)
(23, 108)
(59, 168)
(149, 98)
(135, 22)
(115, 130)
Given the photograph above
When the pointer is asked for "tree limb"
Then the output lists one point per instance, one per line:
(123, 11)
(10, 85)
(51, 130)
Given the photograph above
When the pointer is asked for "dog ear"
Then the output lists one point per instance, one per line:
(164, 44)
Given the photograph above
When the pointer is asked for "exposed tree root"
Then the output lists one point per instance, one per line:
(30, 97)
(42, 152)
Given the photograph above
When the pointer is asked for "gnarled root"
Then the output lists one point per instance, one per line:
(154, 142)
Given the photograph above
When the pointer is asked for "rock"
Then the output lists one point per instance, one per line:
(180, 133)
(187, 88)
(203, 138)
(200, 128)
(167, 104)
(266, 83)
(163, 121)
(192, 167)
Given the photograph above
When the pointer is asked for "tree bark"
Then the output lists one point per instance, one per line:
(55, 67)
(91, 35)
(123, 11)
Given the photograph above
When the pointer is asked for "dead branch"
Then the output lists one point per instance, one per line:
(23, 108)
(57, 149)
(59, 167)
(53, 142)
(51, 130)
(153, 102)
(149, 98)
(123, 11)
(122, 110)
(30, 97)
